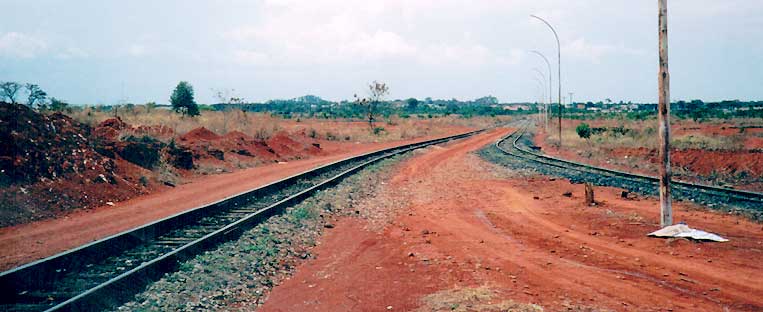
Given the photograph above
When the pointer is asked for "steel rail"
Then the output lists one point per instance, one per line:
(122, 287)
(567, 164)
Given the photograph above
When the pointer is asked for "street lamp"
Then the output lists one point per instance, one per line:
(550, 84)
(559, 67)
(545, 105)
(542, 85)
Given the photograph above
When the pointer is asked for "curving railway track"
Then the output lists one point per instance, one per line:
(109, 271)
(715, 197)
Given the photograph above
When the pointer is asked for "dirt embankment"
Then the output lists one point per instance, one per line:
(741, 168)
(51, 164)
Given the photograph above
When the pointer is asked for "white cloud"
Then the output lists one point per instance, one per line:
(580, 48)
(297, 32)
(19, 45)
(72, 52)
(251, 57)
(137, 49)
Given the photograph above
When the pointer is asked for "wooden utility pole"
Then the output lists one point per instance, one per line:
(666, 211)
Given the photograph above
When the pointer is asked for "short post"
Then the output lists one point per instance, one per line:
(589, 199)
(666, 211)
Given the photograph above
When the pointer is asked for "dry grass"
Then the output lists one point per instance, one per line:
(392, 129)
(715, 143)
(254, 124)
(480, 299)
(644, 134)
(264, 125)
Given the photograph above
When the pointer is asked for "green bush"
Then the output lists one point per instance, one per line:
(584, 131)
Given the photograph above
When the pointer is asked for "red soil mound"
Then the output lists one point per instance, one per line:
(207, 146)
(293, 146)
(49, 164)
(237, 136)
(200, 134)
(109, 129)
(157, 131)
(37, 146)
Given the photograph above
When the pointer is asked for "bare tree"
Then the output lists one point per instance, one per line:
(227, 98)
(35, 94)
(9, 89)
(376, 93)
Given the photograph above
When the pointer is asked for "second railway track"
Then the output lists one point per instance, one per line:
(748, 202)
(109, 271)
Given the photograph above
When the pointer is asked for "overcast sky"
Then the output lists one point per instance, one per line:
(106, 51)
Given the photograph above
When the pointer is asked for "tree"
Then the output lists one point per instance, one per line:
(35, 94)
(412, 104)
(228, 99)
(182, 100)
(57, 105)
(584, 131)
(377, 91)
(9, 89)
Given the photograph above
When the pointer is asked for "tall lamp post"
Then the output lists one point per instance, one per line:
(663, 79)
(559, 76)
(542, 85)
(550, 83)
(545, 104)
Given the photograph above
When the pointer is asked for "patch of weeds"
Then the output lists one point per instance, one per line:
(301, 213)
(331, 136)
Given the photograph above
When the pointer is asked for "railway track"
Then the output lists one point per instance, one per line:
(713, 196)
(107, 272)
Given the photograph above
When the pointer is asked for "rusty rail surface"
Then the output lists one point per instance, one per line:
(518, 151)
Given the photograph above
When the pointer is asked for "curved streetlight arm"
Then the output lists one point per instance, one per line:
(548, 64)
(542, 85)
(559, 76)
(542, 76)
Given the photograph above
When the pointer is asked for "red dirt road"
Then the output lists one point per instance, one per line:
(468, 223)
(28, 242)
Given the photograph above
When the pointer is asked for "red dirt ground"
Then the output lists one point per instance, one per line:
(522, 238)
(24, 243)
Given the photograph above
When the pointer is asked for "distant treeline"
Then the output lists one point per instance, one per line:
(313, 106)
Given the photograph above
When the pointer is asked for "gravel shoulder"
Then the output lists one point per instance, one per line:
(239, 275)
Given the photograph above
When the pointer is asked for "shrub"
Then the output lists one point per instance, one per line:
(584, 131)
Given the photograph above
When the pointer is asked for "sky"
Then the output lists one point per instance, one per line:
(107, 52)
